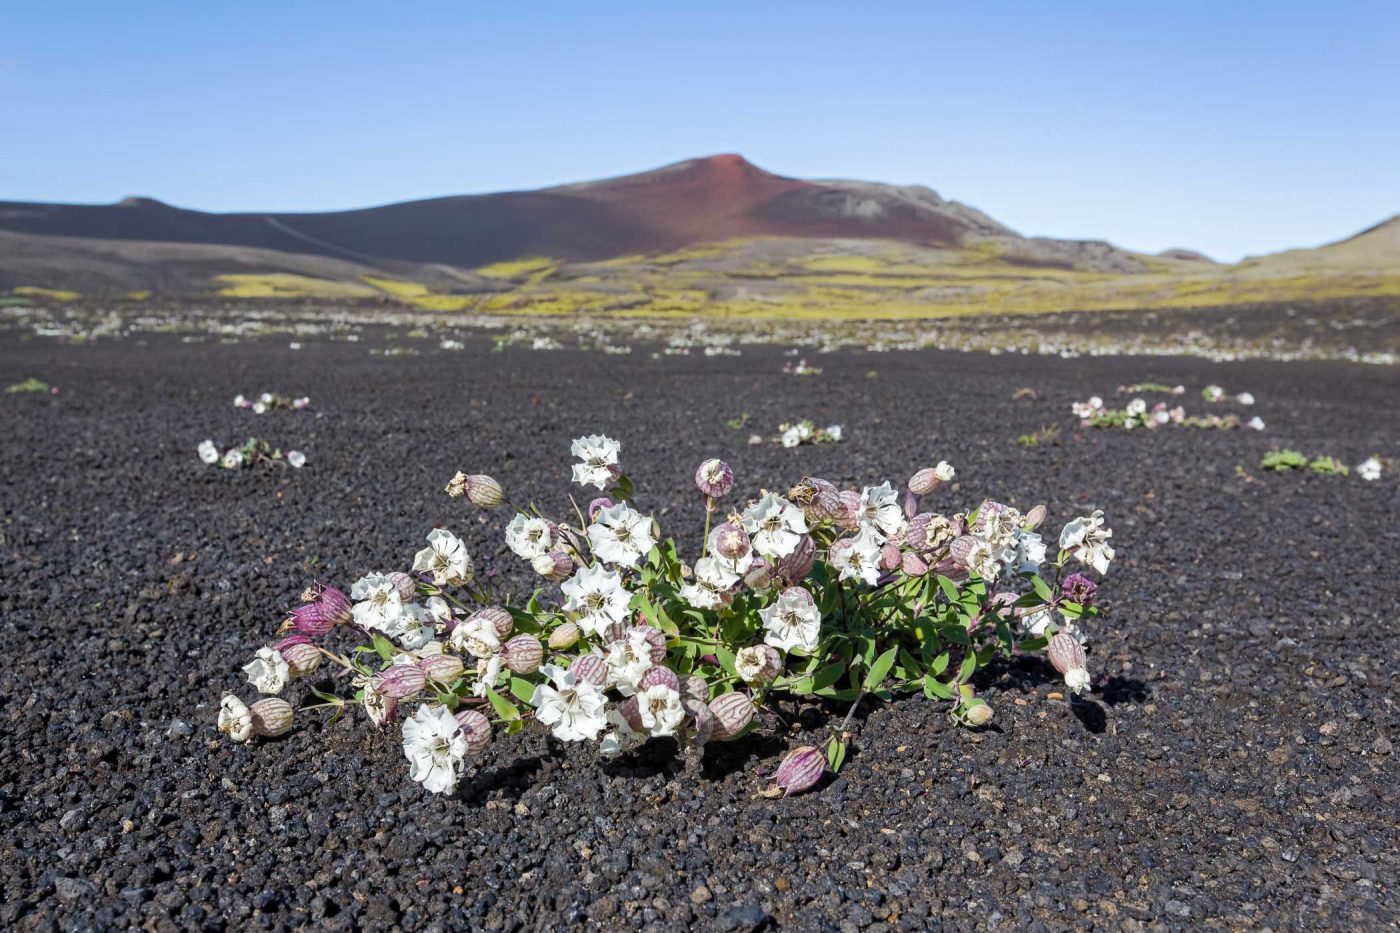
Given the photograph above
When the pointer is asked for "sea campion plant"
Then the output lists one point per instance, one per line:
(271, 401)
(816, 592)
(250, 453)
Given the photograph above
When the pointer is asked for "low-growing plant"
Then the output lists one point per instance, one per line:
(271, 401)
(1282, 461)
(28, 385)
(820, 593)
(250, 453)
(1136, 414)
(806, 432)
(1046, 434)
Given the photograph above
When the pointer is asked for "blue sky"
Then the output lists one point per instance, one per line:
(1231, 127)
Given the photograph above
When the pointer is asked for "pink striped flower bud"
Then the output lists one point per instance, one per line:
(523, 654)
(890, 557)
(476, 728)
(400, 681)
(564, 637)
(630, 710)
(302, 657)
(714, 478)
(663, 676)
(656, 639)
(913, 564)
(441, 668)
(1067, 655)
(795, 567)
(325, 607)
(1035, 518)
(484, 492)
(499, 618)
(733, 712)
(271, 716)
(590, 668)
(800, 770)
(961, 548)
(924, 482)
(615, 631)
(702, 720)
(695, 688)
(731, 541)
(407, 586)
(848, 515)
(556, 566)
(597, 505)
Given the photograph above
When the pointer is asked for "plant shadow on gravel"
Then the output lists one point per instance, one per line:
(1025, 675)
(512, 780)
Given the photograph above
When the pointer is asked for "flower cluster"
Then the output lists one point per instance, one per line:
(1092, 413)
(1214, 393)
(806, 432)
(270, 401)
(250, 453)
(1285, 461)
(801, 368)
(816, 592)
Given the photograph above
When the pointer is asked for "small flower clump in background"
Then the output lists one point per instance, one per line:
(250, 453)
(271, 401)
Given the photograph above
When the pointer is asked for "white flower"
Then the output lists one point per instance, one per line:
(413, 629)
(488, 671)
(774, 526)
(880, 512)
(259, 407)
(660, 709)
(1030, 552)
(477, 637)
(857, 558)
(528, 537)
(1035, 623)
(713, 578)
(268, 671)
(445, 558)
(834, 432)
(234, 719)
(982, 559)
(791, 437)
(1256, 423)
(239, 401)
(751, 663)
(1087, 539)
(1136, 407)
(792, 621)
(1369, 469)
(944, 471)
(738, 566)
(628, 659)
(233, 459)
(208, 452)
(378, 603)
(621, 535)
(296, 459)
(598, 453)
(265, 398)
(1245, 398)
(440, 612)
(597, 596)
(435, 748)
(572, 707)
(804, 430)
(622, 739)
(1077, 679)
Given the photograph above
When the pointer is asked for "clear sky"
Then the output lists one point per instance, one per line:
(1230, 126)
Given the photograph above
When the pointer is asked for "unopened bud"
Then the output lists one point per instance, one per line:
(977, 713)
(733, 712)
(523, 654)
(913, 564)
(442, 668)
(476, 728)
(695, 688)
(800, 770)
(924, 482)
(483, 491)
(271, 716)
(662, 676)
(302, 657)
(590, 668)
(407, 586)
(890, 557)
(564, 637)
(400, 681)
(1034, 518)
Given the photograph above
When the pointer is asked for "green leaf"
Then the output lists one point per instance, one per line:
(622, 491)
(940, 664)
(835, 753)
(880, 668)
(504, 708)
(383, 647)
(949, 588)
(524, 690)
(1042, 588)
(969, 665)
(828, 675)
(936, 688)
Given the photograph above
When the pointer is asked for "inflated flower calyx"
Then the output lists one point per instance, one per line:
(700, 719)
(499, 618)
(731, 541)
(800, 770)
(406, 585)
(476, 728)
(924, 482)
(400, 681)
(324, 608)
(302, 657)
(818, 499)
(799, 563)
(976, 713)
(1067, 656)
(523, 654)
(732, 712)
(660, 675)
(564, 637)
(758, 665)
(1035, 518)
(714, 478)
(656, 640)
(441, 668)
(484, 492)
(695, 688)
(271, 716)
(590, 668)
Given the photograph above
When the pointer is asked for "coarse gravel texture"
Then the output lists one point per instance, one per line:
(1233, 768)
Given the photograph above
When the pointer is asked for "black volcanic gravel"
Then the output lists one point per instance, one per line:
(1234, 769)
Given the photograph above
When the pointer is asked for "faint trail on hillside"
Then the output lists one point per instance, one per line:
(314, 241)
